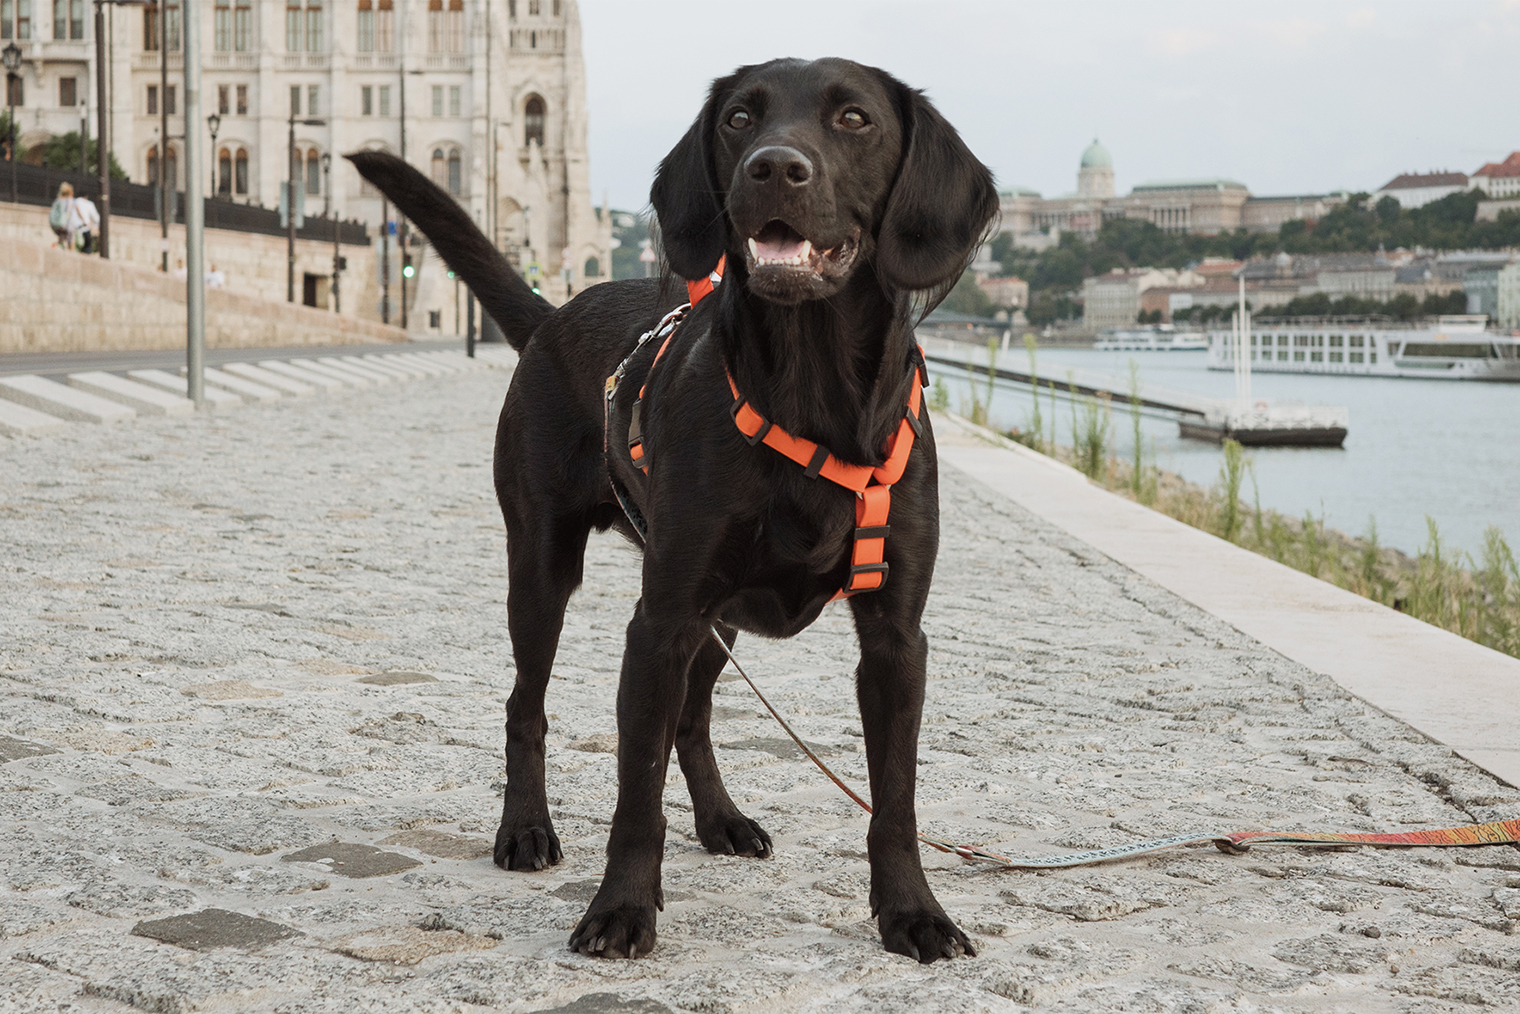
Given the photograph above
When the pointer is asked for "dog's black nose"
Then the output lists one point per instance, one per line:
(779, 160)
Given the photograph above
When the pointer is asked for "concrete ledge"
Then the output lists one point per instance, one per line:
(249, 389)
(62, 401)
(215, 397)
(1451, 689)
(349, 377)
(357, 366)
(140, 398)
(268, 378)
(17, 420)
(284, 369)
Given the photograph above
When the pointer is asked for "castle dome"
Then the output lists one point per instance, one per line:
(1096, 157)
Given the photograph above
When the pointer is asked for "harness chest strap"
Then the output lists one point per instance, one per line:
(872, 486)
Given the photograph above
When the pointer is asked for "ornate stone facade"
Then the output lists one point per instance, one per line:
(1203, 206)
(485, 96)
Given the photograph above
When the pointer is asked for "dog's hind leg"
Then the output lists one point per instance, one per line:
(720, 825)
(544, 562)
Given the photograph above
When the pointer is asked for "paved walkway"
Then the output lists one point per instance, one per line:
(253, 666)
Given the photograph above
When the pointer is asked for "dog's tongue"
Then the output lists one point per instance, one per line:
(778, 242)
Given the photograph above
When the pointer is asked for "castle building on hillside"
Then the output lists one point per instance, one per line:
(1203, 206)
(486, 97)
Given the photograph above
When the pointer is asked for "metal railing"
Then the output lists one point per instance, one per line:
(38, 185)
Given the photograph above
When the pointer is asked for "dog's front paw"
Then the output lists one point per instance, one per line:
(615, 930)
(924, 936)
(734, 834)
(527, 848)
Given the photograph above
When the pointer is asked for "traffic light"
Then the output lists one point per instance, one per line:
(407, 271)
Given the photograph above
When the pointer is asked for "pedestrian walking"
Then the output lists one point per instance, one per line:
(84, 223)
(59, 215)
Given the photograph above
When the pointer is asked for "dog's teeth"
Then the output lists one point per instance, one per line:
(754, 249)
(807, 251)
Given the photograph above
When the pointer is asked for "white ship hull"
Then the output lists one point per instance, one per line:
(1151, 340)
(1457, 350)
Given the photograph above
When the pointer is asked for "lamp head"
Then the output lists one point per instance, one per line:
(214, 121)
(12, 56)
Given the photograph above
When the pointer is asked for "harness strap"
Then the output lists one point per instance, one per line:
(871, 485)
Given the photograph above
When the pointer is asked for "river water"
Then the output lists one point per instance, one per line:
(1446, 449)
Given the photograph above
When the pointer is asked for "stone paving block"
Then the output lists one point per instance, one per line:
(396, 677)
(12, 748)
(251, 390)
(228, 690)
(140, 398)
(62, 401)
(215, 396)
(354, 861)
(121, 901)
(268, 378)
(318, 380)
(408, 945)
(442, 844)
(19, 421)
(609, 1003)
(215, 927)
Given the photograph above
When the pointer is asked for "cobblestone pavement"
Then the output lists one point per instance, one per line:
(253, 668)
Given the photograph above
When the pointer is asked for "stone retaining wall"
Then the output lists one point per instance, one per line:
(55, 301)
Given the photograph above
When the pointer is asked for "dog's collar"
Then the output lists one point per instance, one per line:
(702, 286)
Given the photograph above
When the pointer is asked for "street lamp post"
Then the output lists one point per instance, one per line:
(290, 206)
(333, 214)
(214, 121)
(12, 56)
(165, 186)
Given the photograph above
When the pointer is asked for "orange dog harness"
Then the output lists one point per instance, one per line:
(872, 485)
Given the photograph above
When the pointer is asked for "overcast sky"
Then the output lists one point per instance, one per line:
(1286, 97)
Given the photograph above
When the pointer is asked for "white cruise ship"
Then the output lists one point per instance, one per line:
(1151, 338)
(1455, 348)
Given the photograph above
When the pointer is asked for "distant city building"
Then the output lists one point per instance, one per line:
(1206, 206)
(1415, 190)
(1499, 179)
(486, 98)
(1114, 299)
(1507, 303)
(1006, 293)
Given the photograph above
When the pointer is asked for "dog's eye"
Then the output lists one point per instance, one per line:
(738, 119)
(853, 118)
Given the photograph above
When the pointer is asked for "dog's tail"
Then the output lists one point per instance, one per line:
(515, 307)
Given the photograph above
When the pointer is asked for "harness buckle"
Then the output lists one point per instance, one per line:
(815, 464)
(874, 532)
(765, 424)
(869, 568)
(914, 423)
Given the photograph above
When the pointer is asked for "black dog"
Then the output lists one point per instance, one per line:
(842, 204)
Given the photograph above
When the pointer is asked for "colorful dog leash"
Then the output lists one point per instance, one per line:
(1500, 832)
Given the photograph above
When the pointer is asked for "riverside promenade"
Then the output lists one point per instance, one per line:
(252, 670)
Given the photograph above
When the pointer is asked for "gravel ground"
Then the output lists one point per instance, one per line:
(253, 667)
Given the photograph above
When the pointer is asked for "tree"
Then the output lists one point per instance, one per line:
(1388, 209)
(967, 297)
(62, 152)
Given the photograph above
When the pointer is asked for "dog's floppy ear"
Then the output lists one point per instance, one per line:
(940, 205)
(687, 198)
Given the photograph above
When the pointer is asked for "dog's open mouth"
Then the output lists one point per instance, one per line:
(779, 247)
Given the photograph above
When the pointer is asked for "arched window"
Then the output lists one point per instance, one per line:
(153, 166)
(456, 173)
(435, 26)
(533, 120)
(593, 267)
(240, 173)
(313, 171)
(171, 168)
(439, 167)
(456, 26)
(224, 172)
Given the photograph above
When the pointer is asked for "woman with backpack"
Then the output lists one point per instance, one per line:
(58, 218)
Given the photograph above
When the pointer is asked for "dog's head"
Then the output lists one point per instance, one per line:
(803, 172)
